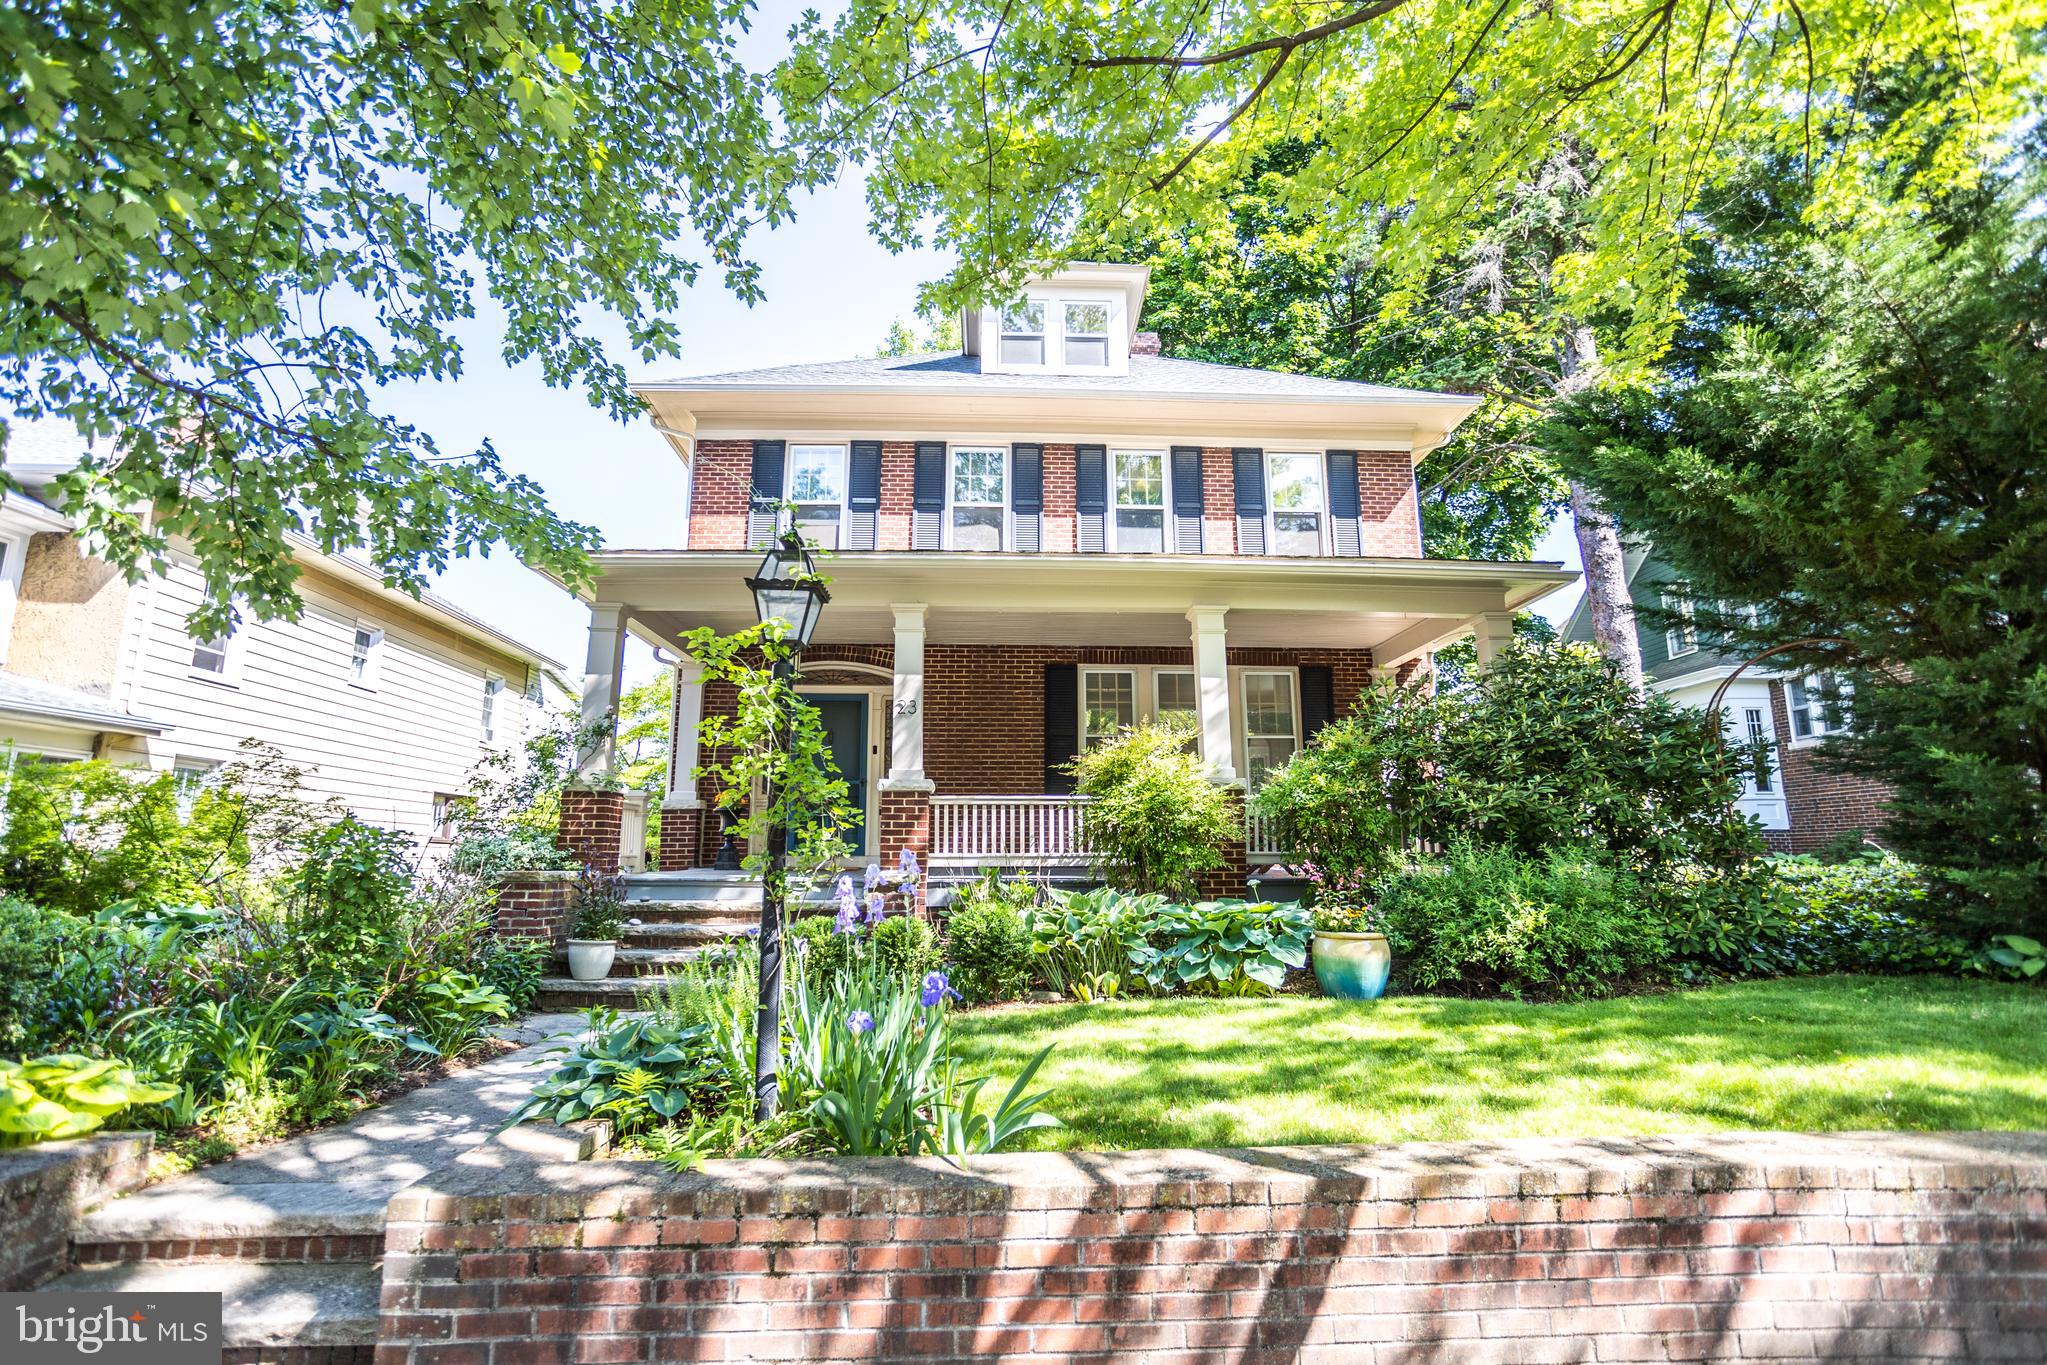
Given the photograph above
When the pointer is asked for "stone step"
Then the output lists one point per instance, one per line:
(567, 993)
(688, 935)
(636, 961)
(693, 912)
(196, 1210)
(261, 1305)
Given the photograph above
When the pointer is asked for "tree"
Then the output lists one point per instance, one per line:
(1858, 456)
(941, 333)
(645, 717)
(1272, 287)
(225, 226)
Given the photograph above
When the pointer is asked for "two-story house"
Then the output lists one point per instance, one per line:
(1049, 535)
(386, 701)
(1800, 805)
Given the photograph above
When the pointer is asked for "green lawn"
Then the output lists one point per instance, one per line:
(1834, 1052)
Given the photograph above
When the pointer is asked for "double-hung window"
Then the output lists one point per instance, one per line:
(1818, 704)
(210, 656)
(1087, 336)
(1138, 482)
(1756, 724)
(817, 485)
(188, 778)
(979, 493)
(1272, 723)
(1023, 334)
(1681, 636)
(1108, 704)
(493, 688)
(1296, 484)
(365, 656)
(1175, 702)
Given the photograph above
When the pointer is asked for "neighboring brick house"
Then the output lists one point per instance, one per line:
(386, 701)
(1800, 805)
(1034, 541)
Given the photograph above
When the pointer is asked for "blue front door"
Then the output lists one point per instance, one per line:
(844, 718)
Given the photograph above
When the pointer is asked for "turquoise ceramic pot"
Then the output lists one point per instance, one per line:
(1352, 966)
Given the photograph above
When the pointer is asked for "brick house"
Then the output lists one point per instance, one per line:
(1033, 541)
(1800, 805)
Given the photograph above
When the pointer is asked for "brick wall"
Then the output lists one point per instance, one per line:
(593, 827)
(535, 905)
(905, 823)
(1733, 1247)
(682, 838)
(1822, 805)
(722, 481)
(43, 1190)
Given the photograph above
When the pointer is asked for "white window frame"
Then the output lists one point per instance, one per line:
(1005, 333)
(1144, 693)
(443, 810)
(1240, 697)
(1067, 335)
(1682, 638)
(489, 720)
(952, 454)
(230, 672)
(845, 454)
(1273, 511)
(371, 655)
(1812, 709)
(534, 683)
(13, 554)
(1756, 724)
(1162, 506)
(189, 776)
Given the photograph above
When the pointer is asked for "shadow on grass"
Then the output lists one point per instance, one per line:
(1826, 1053)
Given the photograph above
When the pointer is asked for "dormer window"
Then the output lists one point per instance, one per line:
(1023, 334)
(1087, 336)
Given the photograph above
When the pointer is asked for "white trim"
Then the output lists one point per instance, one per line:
(1320, 459)
(13, 551)
(875, 698)
(372, 654)
(489, 718)
(1005, 533)
(1675, 643)
(1163, 507)
(1242, 719)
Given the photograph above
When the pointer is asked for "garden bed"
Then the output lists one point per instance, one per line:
(1814, 1054)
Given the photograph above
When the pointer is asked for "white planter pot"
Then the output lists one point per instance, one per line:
(590, 958)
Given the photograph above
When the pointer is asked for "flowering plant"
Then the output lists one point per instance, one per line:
(1342, 901)
(1363, 918)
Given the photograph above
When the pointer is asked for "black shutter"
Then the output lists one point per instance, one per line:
(1345, 535)
(1250, 477)
(1318, 698)
(1186, 538)
(1027, 492)
(1062, 726)
(863, 495)
(927, 497)
(766, 499)
(1091, 495)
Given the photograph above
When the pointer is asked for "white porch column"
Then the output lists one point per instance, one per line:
(603, 671)
(1495, 630)
(683, 725)
(1212, 691)
(906, 730)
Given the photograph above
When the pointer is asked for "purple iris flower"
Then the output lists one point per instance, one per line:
(937, 988)
(847, 921)
(876, 903)
(860, 1021)
(844, 890)
(873, 875)
(908, 861)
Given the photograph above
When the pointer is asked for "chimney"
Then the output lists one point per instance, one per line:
(1144, 343)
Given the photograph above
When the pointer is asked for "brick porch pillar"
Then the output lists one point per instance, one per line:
(906, 823)
(682, 834)
(593, 827)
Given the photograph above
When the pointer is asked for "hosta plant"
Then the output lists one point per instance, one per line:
(1230, 947)
(1081, 938)
(65, 1095)
(634, 1072)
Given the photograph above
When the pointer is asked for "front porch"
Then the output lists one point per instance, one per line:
(956, 687)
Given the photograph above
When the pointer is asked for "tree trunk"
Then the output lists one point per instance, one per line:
(1608, 603)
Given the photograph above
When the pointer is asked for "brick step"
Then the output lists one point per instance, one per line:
(262, 1305)
(297, 1250)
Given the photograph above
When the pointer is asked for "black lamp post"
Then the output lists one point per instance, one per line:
(786, 589)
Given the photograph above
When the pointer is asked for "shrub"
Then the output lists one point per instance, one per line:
(32, 944)
(1562, 924)
(990, 951)
(906, 946)
(513, 966)
(816, 946)
(346, 903)
(1798, 916)
(1087, 941)
(1230, 947)
(1347, 801)
(1155, 821)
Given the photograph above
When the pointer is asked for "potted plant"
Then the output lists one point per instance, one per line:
(1350, 953)
(593, 941)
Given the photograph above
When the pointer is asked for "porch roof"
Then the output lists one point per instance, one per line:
(1395, 607)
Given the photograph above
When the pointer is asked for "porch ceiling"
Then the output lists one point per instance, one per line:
(1406, 604)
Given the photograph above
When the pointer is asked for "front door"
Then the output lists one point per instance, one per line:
(844, 718)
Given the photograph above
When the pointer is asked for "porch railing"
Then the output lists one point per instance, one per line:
(1009, 830)
(1021, 831)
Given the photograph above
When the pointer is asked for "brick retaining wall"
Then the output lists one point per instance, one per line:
(43, 1190)
(1728, 1247)
(536, 905)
